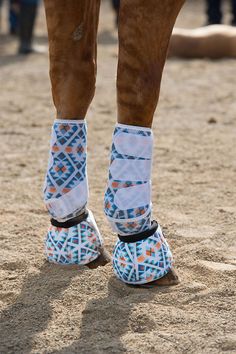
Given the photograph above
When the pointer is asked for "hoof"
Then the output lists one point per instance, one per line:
(170, 279)
(101, 261)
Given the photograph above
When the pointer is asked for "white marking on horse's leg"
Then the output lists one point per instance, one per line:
(78, 33)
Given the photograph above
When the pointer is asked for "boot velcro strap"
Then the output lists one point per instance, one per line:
(71, 222)
(140, 236)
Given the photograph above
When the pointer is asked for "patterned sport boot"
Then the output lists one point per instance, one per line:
(141, 254)
(77, 241)
(73, 237)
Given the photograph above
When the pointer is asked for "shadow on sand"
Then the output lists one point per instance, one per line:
(31, 312)
(106, 320)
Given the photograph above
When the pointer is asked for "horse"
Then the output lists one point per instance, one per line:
(141, 255)
(214, 42)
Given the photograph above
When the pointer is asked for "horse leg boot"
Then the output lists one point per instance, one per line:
(73, 237)
(141, 254)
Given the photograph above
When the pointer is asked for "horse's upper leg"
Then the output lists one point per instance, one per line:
(72, 33)
(144, 32)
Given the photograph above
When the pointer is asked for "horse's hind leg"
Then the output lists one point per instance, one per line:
(73, 237)
(141, 254)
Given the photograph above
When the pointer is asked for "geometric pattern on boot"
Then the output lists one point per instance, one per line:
(79, 244)
(66, 190)
(127, 198)
(143, 261)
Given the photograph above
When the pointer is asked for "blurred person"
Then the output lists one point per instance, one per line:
(116, 7)
(14, 10)
(28, 13)
(13, 16)
(214, 12)
(1, 1)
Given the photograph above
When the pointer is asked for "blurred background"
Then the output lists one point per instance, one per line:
(47, 310)
(23, 30)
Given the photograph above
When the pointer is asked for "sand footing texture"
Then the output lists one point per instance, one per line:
(50, 309)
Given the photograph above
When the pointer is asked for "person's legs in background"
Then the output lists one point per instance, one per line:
(116, 7)
(141, 254)
(214, 13)
(28, 12)
(233, 22)
(14, 9)
(1, 1)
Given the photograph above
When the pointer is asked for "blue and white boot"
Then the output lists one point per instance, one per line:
(141, 254)
(73, 237)
(77, 241)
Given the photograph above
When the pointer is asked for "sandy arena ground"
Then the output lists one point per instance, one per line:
(48, 309)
